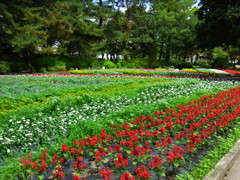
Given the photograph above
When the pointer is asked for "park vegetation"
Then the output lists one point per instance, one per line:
(53, 35)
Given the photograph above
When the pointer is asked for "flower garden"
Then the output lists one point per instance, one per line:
(115, 126)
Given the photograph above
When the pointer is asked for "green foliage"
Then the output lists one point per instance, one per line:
(203, 63)
(20, 67)
(83, 30)
(4, 67)
(109, 64)
(99, 64)
(219, 23)
(50, 63)
(220, 58)
(182, 64)
(133, 63)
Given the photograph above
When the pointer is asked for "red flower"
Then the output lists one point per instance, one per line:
(158, 113)
(100, 153)
(105, 174)
(55, 159)
(162, 130)
(176, 154)
(78, 164)
(142, 172)
(26, 162)
(120, 161)
(80, 151)
(76, 177)
(62, 160)
(64, 147)
(169, 125)
(127, 176)
(58, 173)
(44, 156)
(155, 163)
(43, 166)
(35, 165)
(73, 151)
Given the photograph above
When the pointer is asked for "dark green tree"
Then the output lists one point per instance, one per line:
(174, 25)
(220, 23)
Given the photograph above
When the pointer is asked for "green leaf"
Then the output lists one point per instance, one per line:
(41, 177)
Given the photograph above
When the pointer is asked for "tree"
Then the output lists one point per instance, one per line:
(174, 23)
(220, 23)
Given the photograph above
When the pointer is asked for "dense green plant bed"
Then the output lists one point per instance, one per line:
(148, 147)
(59, 115)
(39, 122)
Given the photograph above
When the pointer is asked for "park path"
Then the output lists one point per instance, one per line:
(234, 172)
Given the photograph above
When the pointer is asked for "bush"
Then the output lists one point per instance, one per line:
(59, 66)
(108, 64)
(132, 63)
(50, 63)
(220, 58)
(21, 67)
(97, 64)
(43, 70)
(204, 63)
(181, 65)
(4, 67)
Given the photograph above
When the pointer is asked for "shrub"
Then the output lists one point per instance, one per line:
(132, 63)
(203, 63)
(21, 67)
(108, 64)
(59, 66)
(181, 65)
(43, 70)
(50, 63)
(97, 64)
(4, 67)
(220, 58)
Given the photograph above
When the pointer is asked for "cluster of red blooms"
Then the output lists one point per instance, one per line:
(170, 134)
(58, 173)
(120, 161)
(230, 71)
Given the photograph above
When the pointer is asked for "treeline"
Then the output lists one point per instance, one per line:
(39, 35)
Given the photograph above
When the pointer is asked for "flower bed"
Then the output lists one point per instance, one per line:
(230, 71)
(149, 147)
(40, 122)
(146, 72)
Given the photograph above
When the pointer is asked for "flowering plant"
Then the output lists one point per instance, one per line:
(149, 146)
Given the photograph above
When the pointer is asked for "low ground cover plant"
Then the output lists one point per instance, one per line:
(148, 147)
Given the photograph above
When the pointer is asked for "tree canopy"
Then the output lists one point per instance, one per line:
(156, 31)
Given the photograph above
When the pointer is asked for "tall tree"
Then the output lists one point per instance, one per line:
(220, 23)
(173, 22)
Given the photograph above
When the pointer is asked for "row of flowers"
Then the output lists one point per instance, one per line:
(148, 147)
(26, 131)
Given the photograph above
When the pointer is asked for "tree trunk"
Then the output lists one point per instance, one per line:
(167, 57)
(160, 52)
(100, 24)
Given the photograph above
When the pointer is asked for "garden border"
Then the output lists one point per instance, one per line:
(223, 166)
